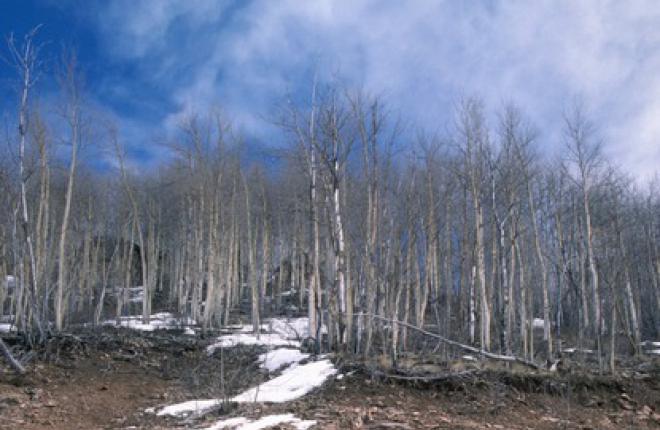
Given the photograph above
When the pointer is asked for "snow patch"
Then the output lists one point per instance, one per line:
(280, 332)
(241, 423)
(265, 339)
(573, 350)
(287, 293)
(538, 323)
(294, 328)
(186, 408)
(292, 384)
(650, 343)
(7, 327)
(136, 295)
(295, 381)
(158, 321)
(130, 294)
(278, 358)
(247, 328)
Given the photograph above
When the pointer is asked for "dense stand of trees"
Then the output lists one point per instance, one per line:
(475, 235)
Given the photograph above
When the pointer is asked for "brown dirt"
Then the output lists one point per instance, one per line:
(108, 378)
(482, 402)
(97, 393)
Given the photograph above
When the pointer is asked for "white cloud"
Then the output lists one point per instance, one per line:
(421, 54)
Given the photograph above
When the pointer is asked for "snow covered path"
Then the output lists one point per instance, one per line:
(296, 379)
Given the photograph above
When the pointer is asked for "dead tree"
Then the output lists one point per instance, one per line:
(71, 85)
(473, 142)
(585, 154)
(26, 62)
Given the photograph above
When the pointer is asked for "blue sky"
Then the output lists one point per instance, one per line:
(148, 63)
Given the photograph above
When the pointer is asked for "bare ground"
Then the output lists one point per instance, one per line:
(106, 379)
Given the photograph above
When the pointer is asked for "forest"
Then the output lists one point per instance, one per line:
(392, 241)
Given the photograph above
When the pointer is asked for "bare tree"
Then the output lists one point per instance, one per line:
(585, 154)
(70, 82)
(26, 60)
(474, 142)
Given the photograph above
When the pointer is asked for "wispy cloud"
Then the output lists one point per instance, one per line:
(247, 55)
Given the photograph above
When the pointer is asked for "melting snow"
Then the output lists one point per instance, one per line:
(295, 381)
(282, 332)
(135, 294)
(185, 408)
(158, 321)
(294, 328)
(130, 294)
(274, 360)
(651, 347)
(266, 339)
(650, 343)
(241, 423)
(572, 350)
(288, 293)
(7, 327)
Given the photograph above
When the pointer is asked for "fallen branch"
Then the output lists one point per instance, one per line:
(13, 363)
(507, 358)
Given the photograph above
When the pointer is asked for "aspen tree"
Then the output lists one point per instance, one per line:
(473, 136)
(70, 82)
(26, 61)
(585, 154)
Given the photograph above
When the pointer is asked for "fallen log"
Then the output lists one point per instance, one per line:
(493, 356)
